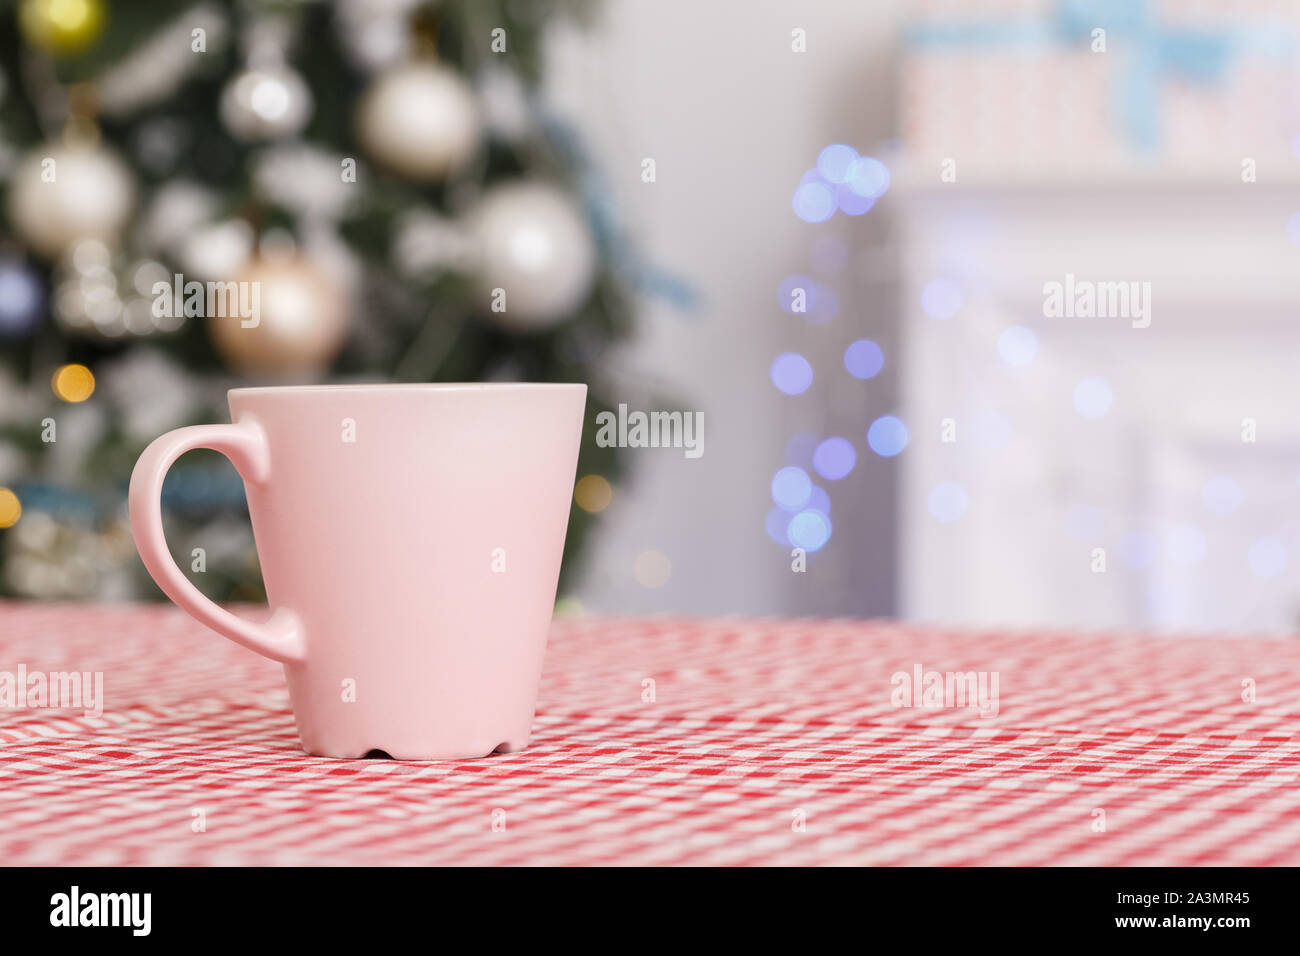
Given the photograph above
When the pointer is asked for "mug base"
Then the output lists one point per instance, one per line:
(362, 753)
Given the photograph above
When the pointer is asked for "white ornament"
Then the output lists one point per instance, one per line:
(534, 245)
(60, 194)
(266, 102)
(421, 121)
(217, 251)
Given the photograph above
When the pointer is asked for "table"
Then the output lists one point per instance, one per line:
(758, 742)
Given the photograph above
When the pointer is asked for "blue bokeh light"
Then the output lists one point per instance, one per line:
(799, 449)
(819, 500)
(21, 299)
(1137, 549)
(834, 161)
(851, 203)
(777, 524)
(887, 436)
(1221, 495)
(864, 359)
(1017, 345)
(834, 458)
(941, 299)
(1092, 397)
(814, 202)
(1267, 557)
(823, 306)
(791, 373)
(791, 488)
(868, 177)
(809, 530)
(787, 291)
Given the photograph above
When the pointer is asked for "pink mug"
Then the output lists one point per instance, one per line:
(410, 540)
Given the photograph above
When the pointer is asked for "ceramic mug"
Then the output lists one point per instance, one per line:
(410, 540)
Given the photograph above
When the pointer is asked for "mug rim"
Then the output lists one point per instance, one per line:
(404, 386)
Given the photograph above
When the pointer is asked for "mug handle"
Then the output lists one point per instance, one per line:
(244, 443)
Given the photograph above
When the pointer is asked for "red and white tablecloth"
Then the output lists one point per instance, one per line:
(766, 742)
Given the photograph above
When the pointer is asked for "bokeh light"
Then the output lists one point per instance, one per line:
(1017, 345)
(819, 500)
(799, 449)
(1092, 397)
(1267, 557)
(851, 203)
(791, 488)
(834, 458)
(834, 161)
(1186, 543)
(887, 436)
(814, 202)
(947, 502)
(11, 509)
(21, 299)
(1137, 549)
(593, 493)
(864, 359)
(777, 525)
(868, 176)
(800, 295)
(809, 530)
(791, 373)
(1221, 495)
(788, 290)
(652, 569)
(73, 383)
(824, 305)
(941, 299)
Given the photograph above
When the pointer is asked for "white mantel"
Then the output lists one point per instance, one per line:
(1223, 345)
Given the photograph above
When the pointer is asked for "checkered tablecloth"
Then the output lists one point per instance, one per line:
(759, 742)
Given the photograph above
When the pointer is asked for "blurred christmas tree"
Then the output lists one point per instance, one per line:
(381, 169)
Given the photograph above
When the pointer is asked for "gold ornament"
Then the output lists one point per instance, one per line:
(61, 26)
(294, 324)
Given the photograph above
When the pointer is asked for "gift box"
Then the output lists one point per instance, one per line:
(1032, 87)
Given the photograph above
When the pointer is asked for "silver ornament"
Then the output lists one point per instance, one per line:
(266, 102)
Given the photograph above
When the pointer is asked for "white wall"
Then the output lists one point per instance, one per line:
(732, 117)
